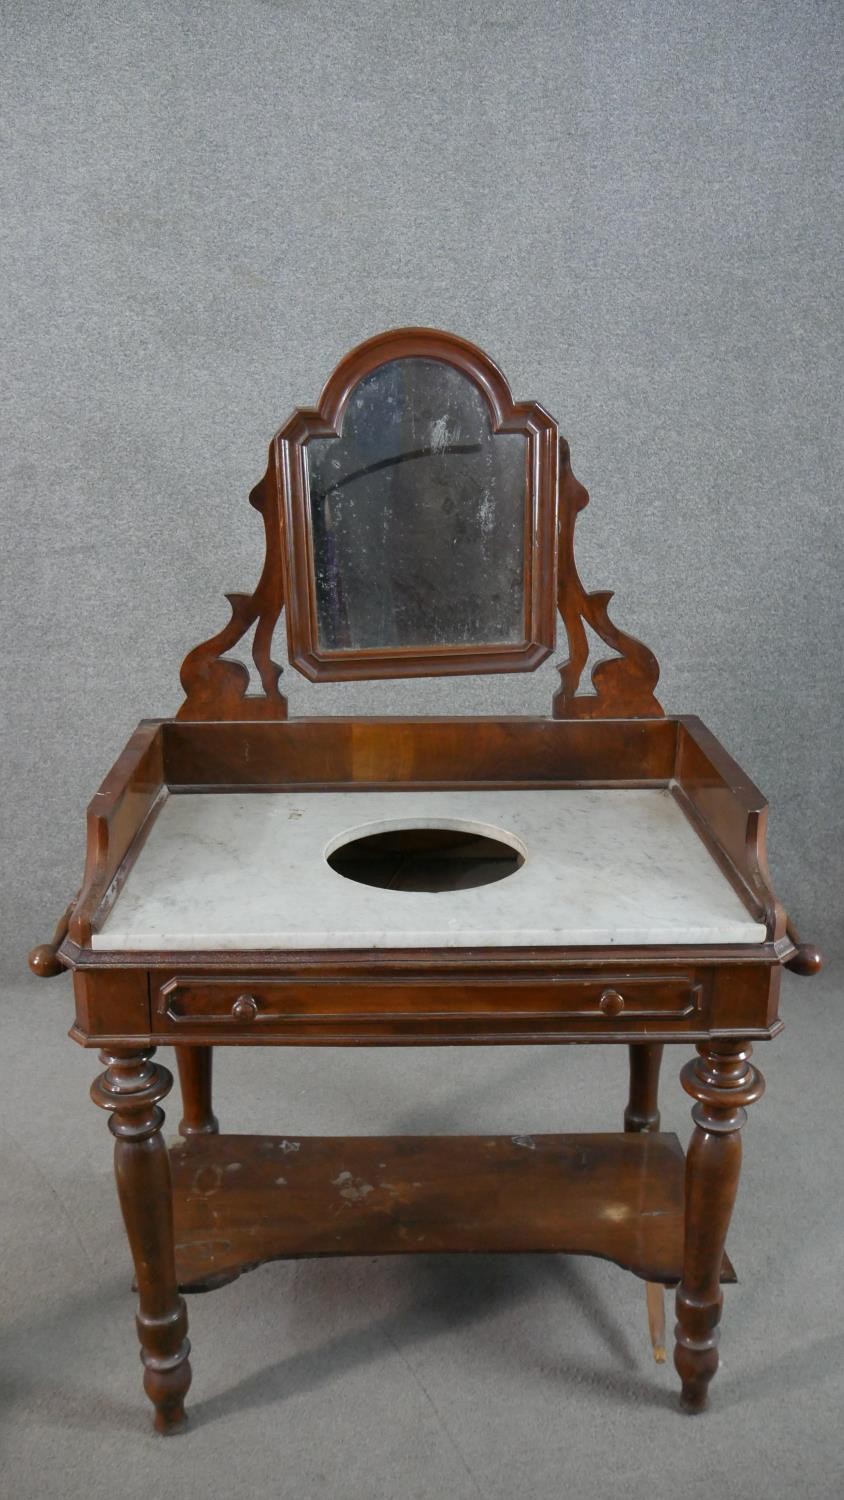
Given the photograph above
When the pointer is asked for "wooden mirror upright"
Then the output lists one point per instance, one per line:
(597, 876)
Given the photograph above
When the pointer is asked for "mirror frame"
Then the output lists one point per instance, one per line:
(540, 555)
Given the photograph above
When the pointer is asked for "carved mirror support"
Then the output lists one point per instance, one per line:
(418, 522)
(623, 684)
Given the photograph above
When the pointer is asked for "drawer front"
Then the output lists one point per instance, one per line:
(255, 1005)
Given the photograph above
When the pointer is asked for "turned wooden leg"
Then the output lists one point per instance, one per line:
(642, 1113)
(130, 1089)
(198, 1117)
(723, 1082)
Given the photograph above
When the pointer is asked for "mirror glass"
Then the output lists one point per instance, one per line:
(418, 515)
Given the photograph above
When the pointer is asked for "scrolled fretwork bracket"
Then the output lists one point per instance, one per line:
(624, 684)
(216, 688)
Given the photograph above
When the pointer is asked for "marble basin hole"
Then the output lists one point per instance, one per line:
(434, 857)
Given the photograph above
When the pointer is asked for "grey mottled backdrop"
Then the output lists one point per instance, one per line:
(631, 206)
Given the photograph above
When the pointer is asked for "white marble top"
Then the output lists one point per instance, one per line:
(248, 870)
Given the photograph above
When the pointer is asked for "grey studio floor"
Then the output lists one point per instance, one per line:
(454, 1377)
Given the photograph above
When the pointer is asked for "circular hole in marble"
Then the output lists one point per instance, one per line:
(426, 855)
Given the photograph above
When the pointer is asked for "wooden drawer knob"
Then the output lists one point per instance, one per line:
(245, 1008)
(611, 1003)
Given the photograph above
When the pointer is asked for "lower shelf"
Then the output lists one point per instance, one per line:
(240, 1200)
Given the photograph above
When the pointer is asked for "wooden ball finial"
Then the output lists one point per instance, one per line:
(44, 961)
(808, 959)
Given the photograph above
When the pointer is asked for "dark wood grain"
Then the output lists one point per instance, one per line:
(44, 960)
(234, 1202)
(642, 1112)
(724, 1082)
(257, 1004)
(242, 1200)
(195, 1075)
(408, 998)
(130, 1089)
(404, 753)
(114, 1005)
(807, 959)
(623, 686)
(730, 815)
(624, 683)
(116, 817)
(216, 688)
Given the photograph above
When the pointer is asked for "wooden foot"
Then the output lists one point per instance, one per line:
(655, 1294)
(723, 1082)
(194, 1064)
(130, 1089)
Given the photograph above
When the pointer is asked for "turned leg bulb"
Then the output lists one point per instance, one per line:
(130, 1089)
(723, 1083)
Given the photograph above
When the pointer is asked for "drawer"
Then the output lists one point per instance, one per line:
(255, 1004)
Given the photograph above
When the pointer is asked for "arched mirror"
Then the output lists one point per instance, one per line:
(420, 517)
(417, 515)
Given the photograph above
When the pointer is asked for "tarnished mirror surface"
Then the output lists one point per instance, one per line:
(418, 516)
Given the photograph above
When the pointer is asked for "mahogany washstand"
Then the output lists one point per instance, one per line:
(596, 876)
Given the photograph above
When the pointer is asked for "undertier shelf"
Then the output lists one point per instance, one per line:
(241, 1200)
